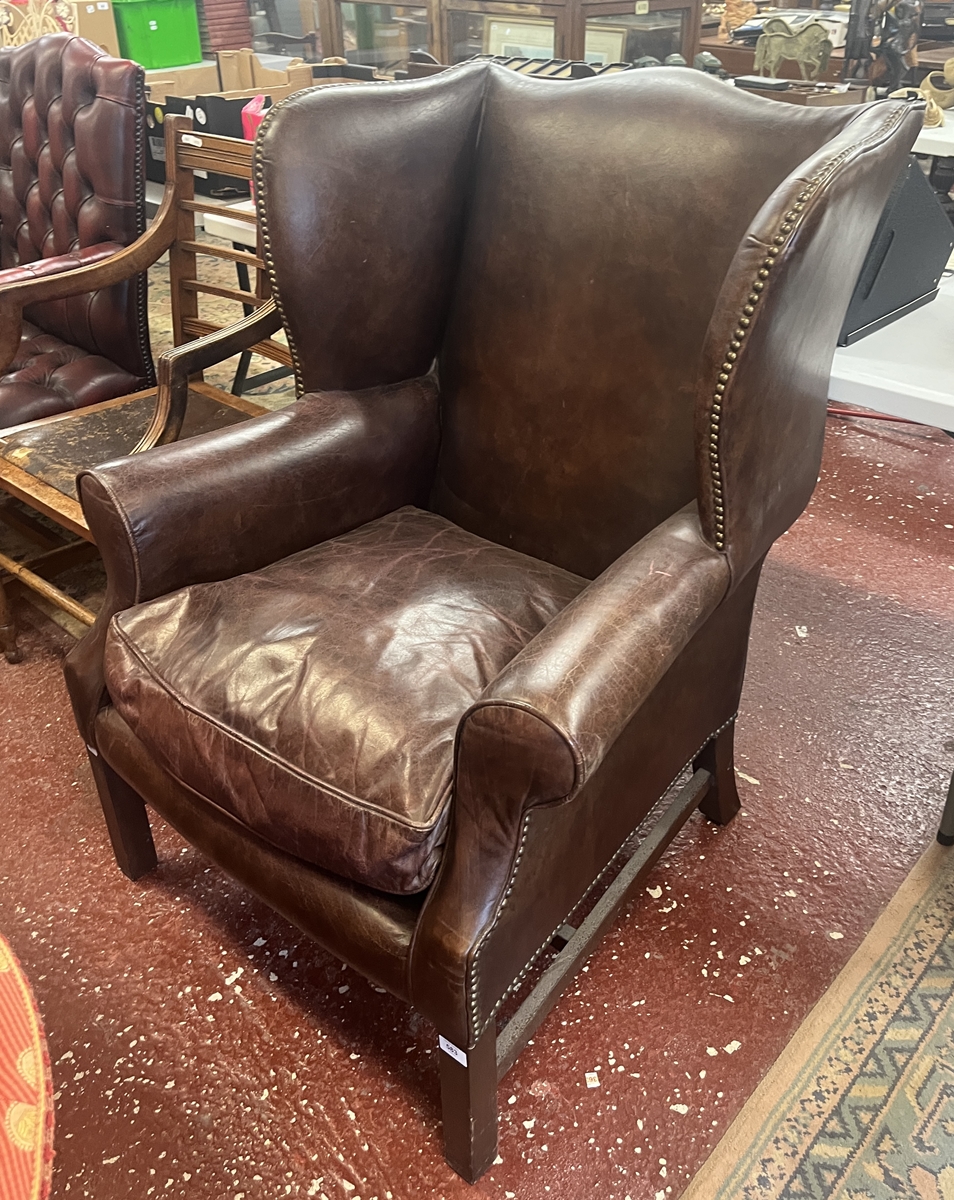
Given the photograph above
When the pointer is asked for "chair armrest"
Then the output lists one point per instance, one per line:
(588, 671)
(538, 733)
(234, 500)
(42, 268)
(175, 367)
(78, 274)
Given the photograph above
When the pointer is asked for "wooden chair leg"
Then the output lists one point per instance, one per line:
(718, 758)
(945, 835)
(8, 630)
(469, 1105)
(126, 820)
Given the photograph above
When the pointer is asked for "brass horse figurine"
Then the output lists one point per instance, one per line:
(810, 48)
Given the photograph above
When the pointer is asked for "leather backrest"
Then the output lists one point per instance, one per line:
(604, 217)
(72, 175)
(564, 247)
(361, 196)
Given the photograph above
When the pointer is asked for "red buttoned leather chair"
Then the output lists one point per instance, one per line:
(413, 658)
(72, 194)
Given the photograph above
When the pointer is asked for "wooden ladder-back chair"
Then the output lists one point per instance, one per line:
(39, 460)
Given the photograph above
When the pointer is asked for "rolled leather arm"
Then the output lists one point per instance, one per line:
(541, 729)
(29, 283)
(42, 268)
(232, 501)
(588, 671)
(82, 271)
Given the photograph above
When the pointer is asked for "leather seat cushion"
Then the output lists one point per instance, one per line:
(50, 376)
(317, 700)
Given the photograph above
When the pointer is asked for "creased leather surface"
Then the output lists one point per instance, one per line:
(367, 929)
(591, 668)
(363, 271)
(514, 867)
(232, 501)
(318, 699)
(72, 176)
(567, 281)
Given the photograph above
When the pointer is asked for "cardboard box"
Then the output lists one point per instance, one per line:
(240, 70)
(182, 81)
(94, 20)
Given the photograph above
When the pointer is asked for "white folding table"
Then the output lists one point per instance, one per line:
(906, 369)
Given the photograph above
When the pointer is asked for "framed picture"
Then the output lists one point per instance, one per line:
(604, 45)
(527, 38)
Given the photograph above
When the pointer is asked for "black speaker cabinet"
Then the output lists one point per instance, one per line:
(905, 260)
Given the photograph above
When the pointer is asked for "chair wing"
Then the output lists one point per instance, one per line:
(361, 197)
(764, 382)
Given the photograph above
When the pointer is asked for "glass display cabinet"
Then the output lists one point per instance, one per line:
(380, 36)
(621, 36)
(595, 31)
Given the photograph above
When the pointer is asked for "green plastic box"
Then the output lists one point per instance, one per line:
(158, 33)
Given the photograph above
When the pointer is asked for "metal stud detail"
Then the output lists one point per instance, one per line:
(787, 226)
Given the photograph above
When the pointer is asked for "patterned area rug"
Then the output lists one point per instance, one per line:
(861, 1104)
(26, 1100)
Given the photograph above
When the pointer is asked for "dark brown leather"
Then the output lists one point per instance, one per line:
(277, 484)
(371, 307)
(764, 394)
(513, 869)
(591, 265)
(332, 684)
(368, 930)
(571, 253)
(591, 668)
(72, 178)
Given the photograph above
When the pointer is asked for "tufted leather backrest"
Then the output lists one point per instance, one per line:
(72, 175)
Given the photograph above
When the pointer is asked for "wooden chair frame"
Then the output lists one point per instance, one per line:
(179, 370)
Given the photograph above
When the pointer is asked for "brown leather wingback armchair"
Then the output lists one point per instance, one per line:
(413, 658)
(72, 195)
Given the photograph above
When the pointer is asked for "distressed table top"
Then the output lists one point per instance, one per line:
(39, 461)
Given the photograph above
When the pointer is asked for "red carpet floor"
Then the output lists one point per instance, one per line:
(201, 1048)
